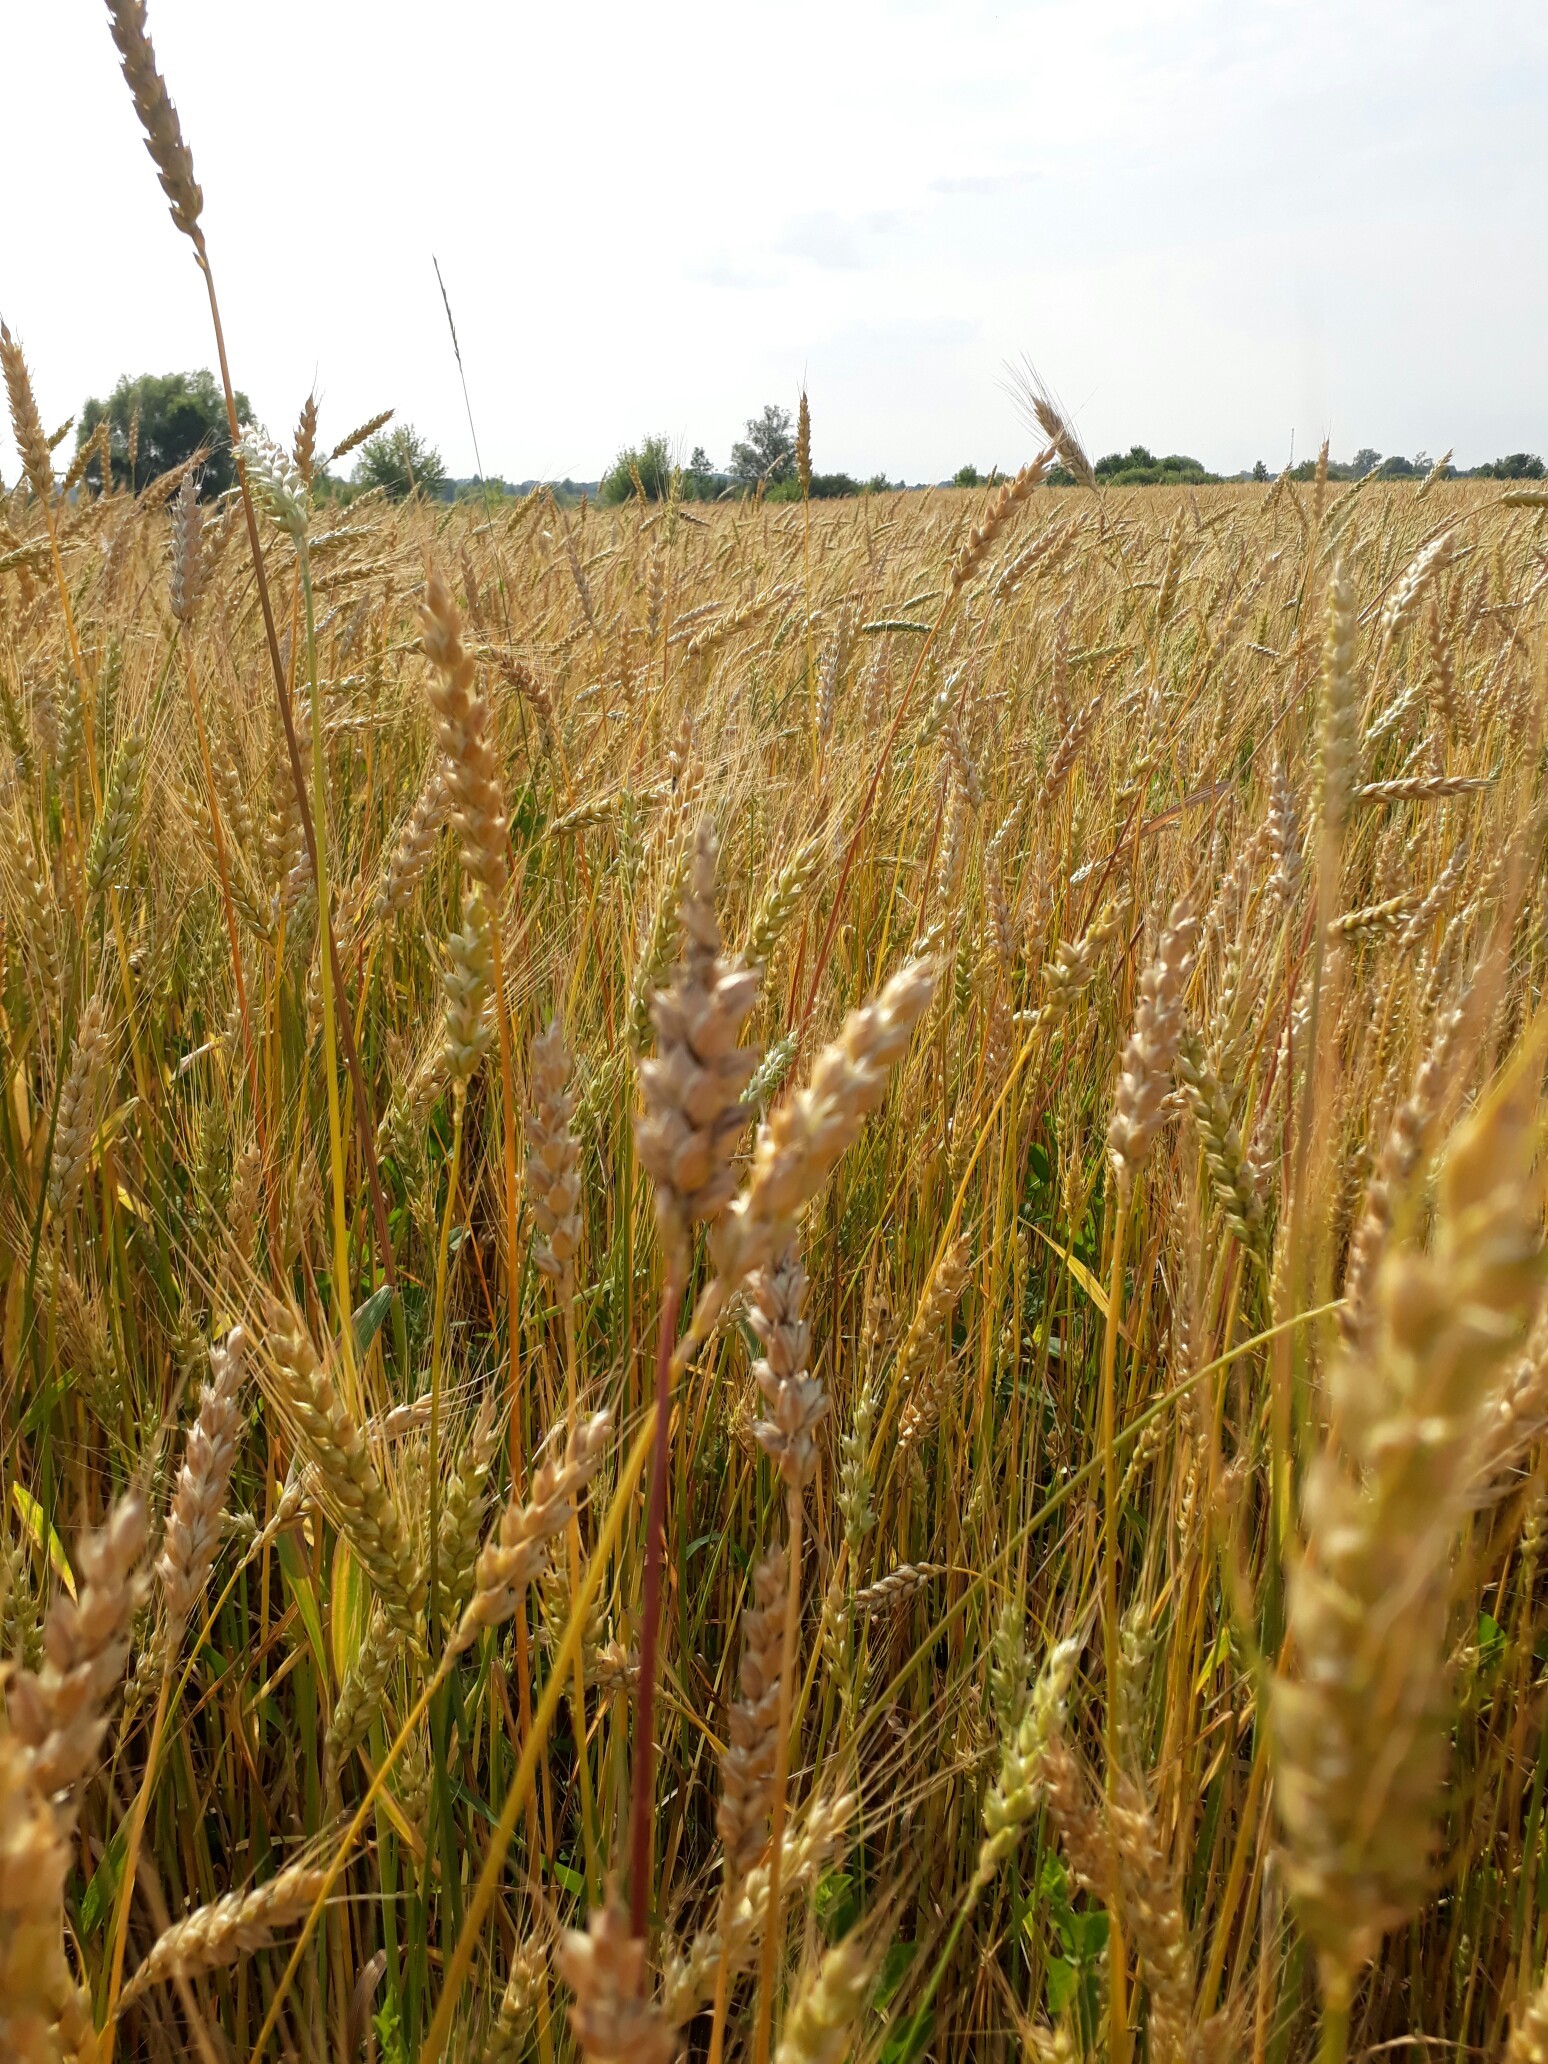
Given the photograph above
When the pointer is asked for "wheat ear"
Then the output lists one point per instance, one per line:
(232, 1927)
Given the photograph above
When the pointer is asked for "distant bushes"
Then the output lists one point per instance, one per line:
(159, 421)
(402, 463)
(1139, 467)
(826, 487)
(645, 468)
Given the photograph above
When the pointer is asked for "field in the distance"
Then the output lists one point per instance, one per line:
(1160, 1434)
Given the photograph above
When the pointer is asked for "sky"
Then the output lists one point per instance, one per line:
(1213, 225)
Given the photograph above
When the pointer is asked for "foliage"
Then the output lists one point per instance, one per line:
(402, 463)
(767, 453)
(1515, 466)
(167, 417)
(701, 482)
(826, 487)
(1139, 467)
(649, 463)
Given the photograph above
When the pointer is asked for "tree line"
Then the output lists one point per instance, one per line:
(148, 426)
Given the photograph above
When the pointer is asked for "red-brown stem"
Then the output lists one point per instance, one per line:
(655, 1554)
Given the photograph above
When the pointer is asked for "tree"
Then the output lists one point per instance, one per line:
(1136, 459)
(1139, 467)
(967, 476)
(1366, 460)
(1519, 465)
(172, 416)
(1259, 470)
(826, 487)
(701, 480)
(768, 451)
(651, 460)
(400, 462)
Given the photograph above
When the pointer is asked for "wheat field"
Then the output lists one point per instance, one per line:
(772, 1276)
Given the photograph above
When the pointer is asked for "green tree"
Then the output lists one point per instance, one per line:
(1365, 460)
(172, 416)
(967, 476)
(401, 463)
(826, 487)
(1139, 467)
(651, 459)
(700, 481)
(1136, 459)
(767, 453)
(1259, 470)
(1519, 465)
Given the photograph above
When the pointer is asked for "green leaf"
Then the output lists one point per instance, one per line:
(1053, 1884)
(1088, 1934)
(97, 1900)
(389, 2033)
(1059, 1981)
(369, 1317)
(300, 1587)
(30, 1513)
(835, 1904)
(1491, 1642)
(893, 1971)
(571, 1880)
(904, 2044)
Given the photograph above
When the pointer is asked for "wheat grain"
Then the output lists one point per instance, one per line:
(231, 1927)
(553, 1186)
(198, 1505)
(59, 1712)
(517, 1549)
(347, 1479)
(1359, 1729)
(1151, 1051)
(469, 768)
(611, 2019)
(747, 1763)
(796, 1401)
(691, 1088)
(830, 2002)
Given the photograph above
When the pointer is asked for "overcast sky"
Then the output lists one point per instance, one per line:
(1209, 222)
